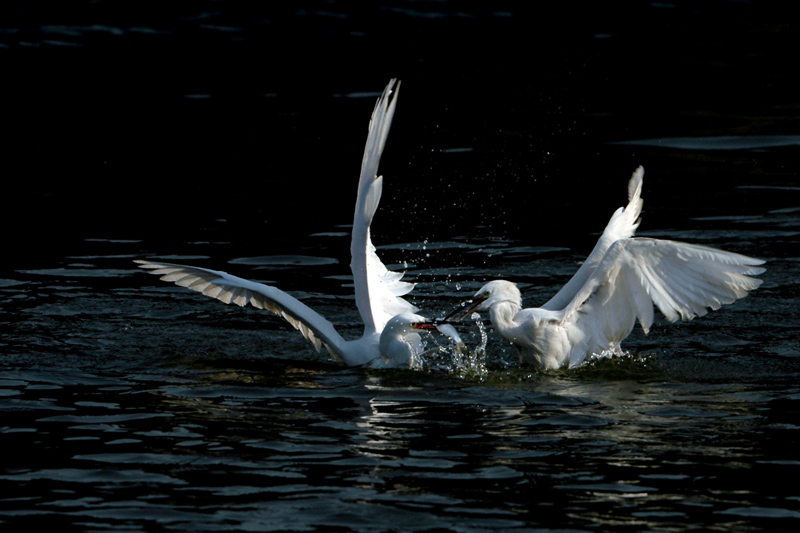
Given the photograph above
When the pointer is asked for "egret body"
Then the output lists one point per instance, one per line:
(391, 327)
(617, 285)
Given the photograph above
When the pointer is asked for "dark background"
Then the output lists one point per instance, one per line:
(154, 120)
(225, 133)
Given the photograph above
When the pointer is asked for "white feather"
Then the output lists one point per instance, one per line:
(231, 289)
(620, 283)
(623, 224)
(377, 289)
(682, 280)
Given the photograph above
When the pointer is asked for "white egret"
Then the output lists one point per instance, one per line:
(391, 327)
(616, 286)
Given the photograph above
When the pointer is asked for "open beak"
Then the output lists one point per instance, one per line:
(465, 309)
(432, 324)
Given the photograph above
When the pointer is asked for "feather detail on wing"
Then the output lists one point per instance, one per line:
(230, 289)
(682, 280)
(622, 225)
(378, 290)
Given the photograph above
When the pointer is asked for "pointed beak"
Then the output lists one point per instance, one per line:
(465, 309)
(432, 324)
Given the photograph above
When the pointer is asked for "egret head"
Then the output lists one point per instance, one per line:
(400, 340)
(405, 323)
(490, 294)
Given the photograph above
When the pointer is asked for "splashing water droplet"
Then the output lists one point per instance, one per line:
(455, 358)
(472, 363)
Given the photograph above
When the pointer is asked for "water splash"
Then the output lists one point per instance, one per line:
(619, 363)
(456, 358)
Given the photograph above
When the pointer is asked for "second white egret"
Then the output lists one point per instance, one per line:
(617, 285)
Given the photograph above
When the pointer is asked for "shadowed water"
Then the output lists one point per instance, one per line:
(131, 403)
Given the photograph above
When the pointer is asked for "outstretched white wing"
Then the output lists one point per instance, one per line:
(682, 280)
(230, 289)
(378, 290)
(623, 224)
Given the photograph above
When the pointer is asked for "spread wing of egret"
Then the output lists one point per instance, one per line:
(620, 283)
(378, 290)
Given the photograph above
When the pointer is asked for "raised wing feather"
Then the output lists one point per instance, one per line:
(378, 290)
(623, 224)
(682, 280)
(230, 289)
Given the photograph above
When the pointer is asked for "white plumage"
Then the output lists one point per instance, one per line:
(617, 285)
(391, 337)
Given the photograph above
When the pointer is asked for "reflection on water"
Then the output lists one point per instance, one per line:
(235, 450)
(720, 143)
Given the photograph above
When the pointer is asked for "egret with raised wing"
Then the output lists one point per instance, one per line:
(391, 326)
(618, 284)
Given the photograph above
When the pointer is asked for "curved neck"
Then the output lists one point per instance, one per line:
(503, 313)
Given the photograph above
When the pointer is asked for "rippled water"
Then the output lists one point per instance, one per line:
(129, 404)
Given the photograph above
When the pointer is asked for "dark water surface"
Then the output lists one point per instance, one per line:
(229, 136)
